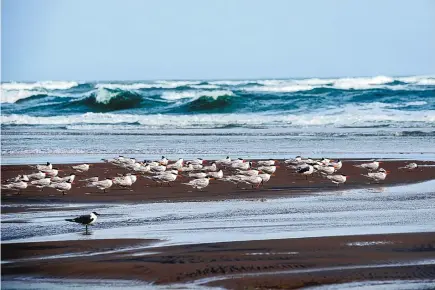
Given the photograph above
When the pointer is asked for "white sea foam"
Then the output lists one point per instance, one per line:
(195, 94)
(283, 88)
(350, 115)
(47, 85)
(361, 83)
(104, 96)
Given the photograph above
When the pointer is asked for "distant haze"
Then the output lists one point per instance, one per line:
(193, 39)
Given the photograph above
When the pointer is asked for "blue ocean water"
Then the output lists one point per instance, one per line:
(211, 116)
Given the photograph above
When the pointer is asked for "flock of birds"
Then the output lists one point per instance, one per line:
(164, 172)
(240, 171)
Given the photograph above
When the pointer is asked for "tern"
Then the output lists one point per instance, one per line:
(269, 162)
(85, 219)
(307, 170)
(122, 181)
(265, 177)
(164, 161)
(164, 177)
(337, 179)
(212, 167)
(268, 169)
(372, 166)
(225, 162)
(198, 175)
(377, 176)
(337, 164)
(81, 167)
(38, 175)
(47, 166)
(70, 177)
(199, 183)
(62, 186)
(177, 165)
(102, 184)
(216, 175)
(51, 172)
(409, 166)
(250, 172)
(19, 186)
(41, 183)
(90, 179)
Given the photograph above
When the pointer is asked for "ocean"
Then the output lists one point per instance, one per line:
(69, 121)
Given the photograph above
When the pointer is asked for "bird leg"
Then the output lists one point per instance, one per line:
(86, 229)
(306, 177)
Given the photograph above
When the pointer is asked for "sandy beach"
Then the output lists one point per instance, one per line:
(284, 183)
(284, 263)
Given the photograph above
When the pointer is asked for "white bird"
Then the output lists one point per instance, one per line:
(377, 176)
(269, 162)
(177, 165)
(81, 167)
(165, 177)
(328, 170)
(159, 168)
(132, 177)
(102, 184)
(337, 179)
(51, 172)
(197, 161)
(250, 172)
(123, 181)
(225, 161)
(254, 180)
(20, 177)
(294, 161)
(308, 170)
(216, 175)
(41, 183)
(268, 169)
(409, 166)
(265, 177)
(90, 179)
(61, 186)
(70, 177)
(325, 161)
(19, 186)
(198, 175)
(47, 166)
(241, 165)
(372, 166)
(37, 175)
(337, 164)
(143, 169)
(187, 168)
(212, 167)
(199, 183)
(85, 220)
(164, 161)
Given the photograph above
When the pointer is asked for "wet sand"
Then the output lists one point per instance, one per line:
(284, 183)
(285, 263)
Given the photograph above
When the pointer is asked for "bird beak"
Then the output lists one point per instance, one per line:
(388, 171)
(277, 166)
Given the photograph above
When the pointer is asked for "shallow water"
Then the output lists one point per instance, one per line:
(376, 210)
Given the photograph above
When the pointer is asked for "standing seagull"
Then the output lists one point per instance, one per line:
(308, 170)
(337, 179)
(372, 166)
(86, 220)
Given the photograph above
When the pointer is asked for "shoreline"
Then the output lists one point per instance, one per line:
(262, 264)
(285, 183)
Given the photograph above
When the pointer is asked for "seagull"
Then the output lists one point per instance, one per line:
(81, 167)
(177, 165)
(328, 170)
(268, 169)
(372, 166)
(164, 177)
(212, 167)
(197, 161)
(19, 186)
(337, 164)
(41, 183)
(198, 175)
(90, 179)
(308, 170)
(377, 176)
(47, 166)
(51, 172)
(225, 162)
(164, 161)
(265, 177)
(70, 177)
(250, 172)
(269, 162)
(85, 219)
(38, 175)
(123, 181)
(337, 179)
(409, 166)
(62, 186)
(216, 175)
(199, 183)
(102, 184)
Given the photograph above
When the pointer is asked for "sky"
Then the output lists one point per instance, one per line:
(232, 39)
